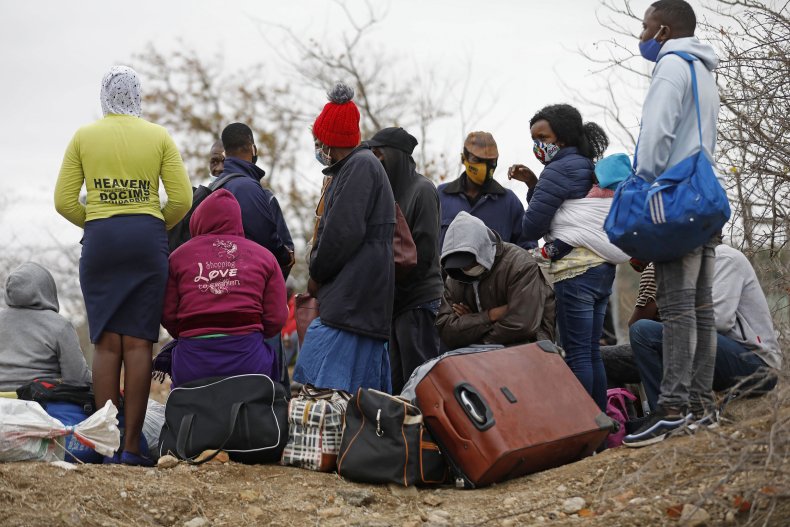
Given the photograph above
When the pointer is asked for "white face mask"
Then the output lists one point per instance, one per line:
(475, 271)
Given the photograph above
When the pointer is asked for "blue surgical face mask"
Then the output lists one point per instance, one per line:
(649, 49)
(323, 157)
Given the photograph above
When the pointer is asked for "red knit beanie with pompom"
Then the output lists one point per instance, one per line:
(338, 123)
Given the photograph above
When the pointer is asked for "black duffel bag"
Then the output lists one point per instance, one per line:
(243, 415)
(385, 441)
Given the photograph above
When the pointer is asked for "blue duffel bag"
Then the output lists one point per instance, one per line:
(678, 212)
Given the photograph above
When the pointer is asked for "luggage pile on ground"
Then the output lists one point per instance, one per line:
(474, 416)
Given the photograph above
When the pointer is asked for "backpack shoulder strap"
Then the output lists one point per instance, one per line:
(690, 59)
(220, 181)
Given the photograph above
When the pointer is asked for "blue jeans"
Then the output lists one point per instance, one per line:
(581, 308)
(732, 362)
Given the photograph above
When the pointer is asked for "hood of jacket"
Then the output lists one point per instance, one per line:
(401, 172)
(31, 286)
(692, 45)
(469, 234)
(219, 213)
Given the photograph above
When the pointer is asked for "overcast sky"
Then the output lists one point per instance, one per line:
(55, 53)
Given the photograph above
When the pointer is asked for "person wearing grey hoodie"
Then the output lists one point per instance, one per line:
(494, 293)
(669, 134)
(35, 341)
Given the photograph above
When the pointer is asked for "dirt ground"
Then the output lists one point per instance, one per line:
(622, 487)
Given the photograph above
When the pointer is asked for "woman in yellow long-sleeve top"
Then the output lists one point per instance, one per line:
(123, 267)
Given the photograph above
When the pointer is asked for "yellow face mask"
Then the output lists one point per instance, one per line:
(476, 172)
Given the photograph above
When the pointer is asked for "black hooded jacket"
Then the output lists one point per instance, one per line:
(352, 258)
(419, 201)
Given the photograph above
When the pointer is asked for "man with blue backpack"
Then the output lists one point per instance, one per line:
(678, 120)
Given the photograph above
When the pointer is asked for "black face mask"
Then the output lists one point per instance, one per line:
(461, 276)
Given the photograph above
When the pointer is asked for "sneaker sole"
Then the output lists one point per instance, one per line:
(645, 442)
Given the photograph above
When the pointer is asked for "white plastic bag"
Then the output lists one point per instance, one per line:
(27, 432)
(152, 426)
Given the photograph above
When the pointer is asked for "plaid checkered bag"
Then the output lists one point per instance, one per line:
(315, 428)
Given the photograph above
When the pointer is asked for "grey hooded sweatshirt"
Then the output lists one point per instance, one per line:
(668, 131)
(512, 277)
(35, 341)
(740, 308)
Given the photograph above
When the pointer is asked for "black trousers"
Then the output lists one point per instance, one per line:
(414, 340)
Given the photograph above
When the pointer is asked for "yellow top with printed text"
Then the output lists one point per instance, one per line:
(121, 159)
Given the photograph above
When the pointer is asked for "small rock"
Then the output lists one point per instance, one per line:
(356, 497)
(402, 492)
(441, 514)
(196, 522)
(510, 502)
(434, 519)
(124, 494)
(411, 523)
(220, 457)
(248, 495)
(65, 465)
(562, 488)
(573, 505)
(553, 515)
(638, 501)
(693, 516)
(540, 519)
(167, 461)
(331, 512)
(508, 522)
(255, 512)
(729, 518)
(432, 500)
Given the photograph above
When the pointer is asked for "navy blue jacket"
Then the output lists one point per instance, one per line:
(499, 208)
(260, 212)
(568, 176)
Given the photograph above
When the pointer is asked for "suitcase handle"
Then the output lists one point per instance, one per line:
(475, 406)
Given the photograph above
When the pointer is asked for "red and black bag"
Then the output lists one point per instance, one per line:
(47, 391)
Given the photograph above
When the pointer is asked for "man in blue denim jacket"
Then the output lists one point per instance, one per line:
(476, 192)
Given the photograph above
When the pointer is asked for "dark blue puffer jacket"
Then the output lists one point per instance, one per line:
(568, 176)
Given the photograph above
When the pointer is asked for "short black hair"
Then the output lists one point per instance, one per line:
(236, 136)
(678, 14)
(566, 123)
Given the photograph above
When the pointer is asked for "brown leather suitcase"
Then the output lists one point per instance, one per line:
(502, 413)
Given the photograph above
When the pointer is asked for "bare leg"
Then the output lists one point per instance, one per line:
(137, 384)
(107, 369)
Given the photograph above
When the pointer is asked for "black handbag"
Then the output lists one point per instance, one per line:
(243, 415)
(385, 441)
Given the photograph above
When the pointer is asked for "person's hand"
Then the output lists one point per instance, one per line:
(522, 173)
(461, 309)
(313, 287)
(495, 313)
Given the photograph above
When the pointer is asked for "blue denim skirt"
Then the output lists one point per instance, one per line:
(123, 275)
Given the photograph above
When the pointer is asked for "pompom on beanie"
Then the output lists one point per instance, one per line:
(338, 123)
